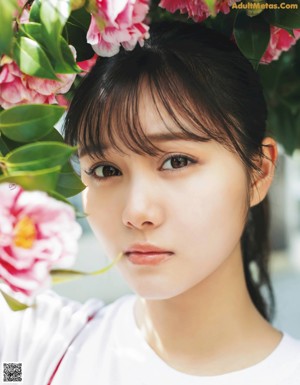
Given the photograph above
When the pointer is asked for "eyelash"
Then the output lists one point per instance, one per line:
(188, 159)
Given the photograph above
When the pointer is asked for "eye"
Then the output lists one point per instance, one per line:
(177, 161)
(103, 171)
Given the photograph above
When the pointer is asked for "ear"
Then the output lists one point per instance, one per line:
(263, 178)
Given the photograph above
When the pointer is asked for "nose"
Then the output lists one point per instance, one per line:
(143, 208)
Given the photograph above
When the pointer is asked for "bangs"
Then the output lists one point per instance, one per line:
(204, 97)
(112, 116)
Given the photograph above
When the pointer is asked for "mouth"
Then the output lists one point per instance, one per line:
(146, 254)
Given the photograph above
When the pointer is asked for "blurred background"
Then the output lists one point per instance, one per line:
(285, 260)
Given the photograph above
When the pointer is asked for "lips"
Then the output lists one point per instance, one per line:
(146, 254)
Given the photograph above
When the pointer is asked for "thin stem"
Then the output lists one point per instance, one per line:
(63, 275)
(3, 166)
(116, 260)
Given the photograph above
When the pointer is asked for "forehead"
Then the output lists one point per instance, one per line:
(138, 125)
(150, 119)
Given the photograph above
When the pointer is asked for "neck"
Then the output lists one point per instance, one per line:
(214, 319)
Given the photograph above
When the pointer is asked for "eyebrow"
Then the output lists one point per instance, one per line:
(160, 137)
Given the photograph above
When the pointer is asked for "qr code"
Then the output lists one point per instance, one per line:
(12, 372)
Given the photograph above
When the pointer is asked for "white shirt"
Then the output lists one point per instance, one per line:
(61, 342)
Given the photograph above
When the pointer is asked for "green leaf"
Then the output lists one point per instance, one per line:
(38, 156)
(283, 125)
(54, 14)
(10, 144)
(53, 136)
(44, 180)
(252, 35)
(59, 197)
(80, 18)
(4, 150)
(68, 55)
(14, 304)
(284, 18)
(27, 123)
(69, 184)
(222, 23)
(6, 19)
(33, 31)
(35, 9)
(292, 100)
(68, 64)
(281, 82)
(65, 62)
(32, 59)
(75, 33)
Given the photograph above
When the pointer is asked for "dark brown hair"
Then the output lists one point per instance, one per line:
(204, 82)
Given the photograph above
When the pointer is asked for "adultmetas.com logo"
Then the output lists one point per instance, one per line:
(262, 6)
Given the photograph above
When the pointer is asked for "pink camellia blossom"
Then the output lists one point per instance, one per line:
(280, 41)
(62, 100)
(25, 10)
(118, 22)
(196, 9)
(22, 3)
(87, 65)
(19, 88)
(37, 232)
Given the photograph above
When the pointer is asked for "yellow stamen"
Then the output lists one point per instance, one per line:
(25, 233)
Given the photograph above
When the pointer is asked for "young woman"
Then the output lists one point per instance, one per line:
(177, 166)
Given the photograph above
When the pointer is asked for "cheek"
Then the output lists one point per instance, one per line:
(211, 218)
(102, 216)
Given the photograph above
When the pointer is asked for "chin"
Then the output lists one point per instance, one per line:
(154, 292)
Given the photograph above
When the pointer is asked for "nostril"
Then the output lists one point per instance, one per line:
(139, 225)
(147, 223)
(142, 216)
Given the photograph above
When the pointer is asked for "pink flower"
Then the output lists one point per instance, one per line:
(87, 65)
(22, 11)
(118, 22)
(224, 5)
(196, 9)
(37, 232)
(280, 41)
(62, 100)
(22, 3)
(19, 88)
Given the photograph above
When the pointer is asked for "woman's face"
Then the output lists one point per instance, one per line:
(177, 216)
